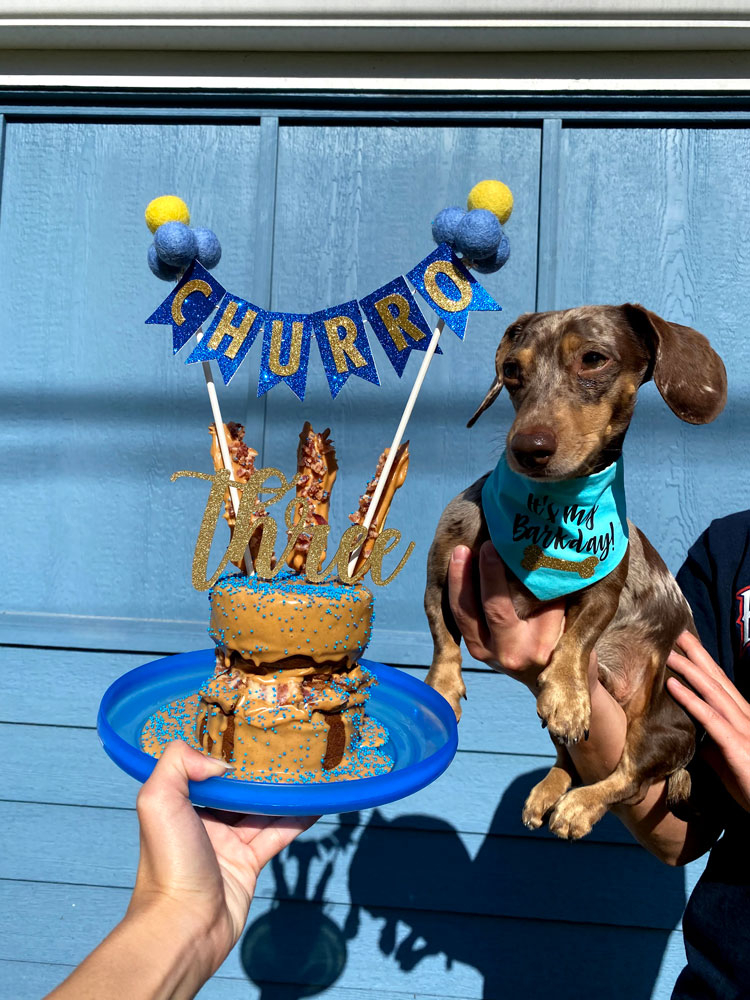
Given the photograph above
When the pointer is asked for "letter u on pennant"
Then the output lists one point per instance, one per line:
(286, 352)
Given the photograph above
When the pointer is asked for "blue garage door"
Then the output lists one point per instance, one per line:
(443, 894)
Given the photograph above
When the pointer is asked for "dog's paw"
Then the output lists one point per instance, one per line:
(565, 708)
(576, 813)
(454, 691)
(543, 797)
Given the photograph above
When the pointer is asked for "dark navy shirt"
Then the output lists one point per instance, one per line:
(716, 581)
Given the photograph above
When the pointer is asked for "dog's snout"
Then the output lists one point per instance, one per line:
(533, 448)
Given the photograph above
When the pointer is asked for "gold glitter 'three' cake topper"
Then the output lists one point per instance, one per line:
(253, 531)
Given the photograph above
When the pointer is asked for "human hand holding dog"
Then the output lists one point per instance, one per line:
(521, 648)
(488, 622)
(719, 707)
(495, 635)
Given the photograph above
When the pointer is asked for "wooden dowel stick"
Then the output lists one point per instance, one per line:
(223, 446)
(372, 509)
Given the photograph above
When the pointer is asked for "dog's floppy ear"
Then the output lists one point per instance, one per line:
(687, 371)
(494, 390)
(492, 393)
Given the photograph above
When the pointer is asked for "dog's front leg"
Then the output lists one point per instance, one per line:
(545, 795)
(445, 672)
(462, 523)
(564, 702)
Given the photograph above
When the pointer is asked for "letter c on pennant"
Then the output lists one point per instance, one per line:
(196, 285)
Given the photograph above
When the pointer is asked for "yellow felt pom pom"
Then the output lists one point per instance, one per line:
(495, 196)
(168, 208)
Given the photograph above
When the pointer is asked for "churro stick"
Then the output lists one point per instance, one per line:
(243, 465)
(317, 468)
(395, 480)
(534, 558)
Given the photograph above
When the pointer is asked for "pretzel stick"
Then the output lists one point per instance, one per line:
(242, 458)
(393, 450)
(317, 467)
(534, 558)
(399, 468)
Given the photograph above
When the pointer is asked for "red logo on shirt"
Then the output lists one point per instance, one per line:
(743, 617)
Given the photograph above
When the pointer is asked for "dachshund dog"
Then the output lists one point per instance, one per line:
(572, 377)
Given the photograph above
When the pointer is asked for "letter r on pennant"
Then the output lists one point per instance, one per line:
(343, 348)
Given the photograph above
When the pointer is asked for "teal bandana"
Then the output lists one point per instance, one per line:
(557, 537)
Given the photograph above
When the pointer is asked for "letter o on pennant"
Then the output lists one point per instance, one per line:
(438, 296)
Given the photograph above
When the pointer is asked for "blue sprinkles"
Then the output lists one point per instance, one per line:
(290, 584)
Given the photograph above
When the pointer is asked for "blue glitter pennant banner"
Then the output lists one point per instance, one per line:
(285, 353)
(194, 298)
(450, 289)
(397, 322)
(232, 333)
(343, 345)
(392, 311)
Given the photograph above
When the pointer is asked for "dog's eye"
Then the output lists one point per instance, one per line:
(511, 371)
(593, 361)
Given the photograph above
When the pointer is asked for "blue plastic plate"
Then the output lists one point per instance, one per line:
(421, 723)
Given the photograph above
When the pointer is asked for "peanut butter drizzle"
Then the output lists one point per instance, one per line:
(306, 752)
(243, 465)
(395, 480)
(282, 720)
(317, 466)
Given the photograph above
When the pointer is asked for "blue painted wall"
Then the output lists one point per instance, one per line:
(445, 893)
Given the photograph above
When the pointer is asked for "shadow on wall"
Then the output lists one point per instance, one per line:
(296, 950)
(535, 916)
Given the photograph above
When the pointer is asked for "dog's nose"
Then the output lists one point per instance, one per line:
(533, 448)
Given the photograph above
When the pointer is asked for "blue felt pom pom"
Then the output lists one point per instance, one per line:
(209, 248)
(478, 234)
(445, 223)
(159, 268)
(176, 244)
(489, 265)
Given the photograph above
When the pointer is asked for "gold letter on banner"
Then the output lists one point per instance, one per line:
(295, 350)
(196, 285)
(225, 328)
(437, 295)
(387, 539)
(211, 515)
(344, 348)
(395, 324)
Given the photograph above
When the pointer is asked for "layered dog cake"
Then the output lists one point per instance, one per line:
(288, 692)
(287, 699)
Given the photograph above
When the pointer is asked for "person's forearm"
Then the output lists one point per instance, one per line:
(150, 955)
(597, 757)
